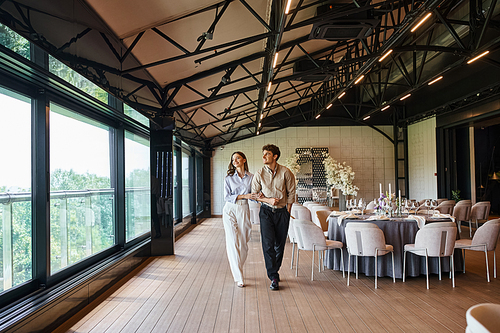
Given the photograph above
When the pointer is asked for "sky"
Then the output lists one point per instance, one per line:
(73, 145)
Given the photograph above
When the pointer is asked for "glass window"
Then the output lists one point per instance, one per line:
(135, 115)
(15, 190)
(15, 42)
(81, 194)
(79, 81)
(176, 184)
(199, 184)
(186, 191)
(137, 185)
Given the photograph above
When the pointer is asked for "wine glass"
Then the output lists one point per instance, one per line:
(348, 204)
(434, 204)
(428, 205)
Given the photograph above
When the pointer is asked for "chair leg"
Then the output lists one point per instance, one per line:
(452, 271)
(376, 268)
(342, 262)
(459, 224)
(404, 265)
(439, 267)
(312, 264)
(463, 258)
(487, 268)
(297, 262)
(356, 267)
(470, 228)
(494, 264)
(293, 252)
(393, 271)
(427, 268)
(348, 267)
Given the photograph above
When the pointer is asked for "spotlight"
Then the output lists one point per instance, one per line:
(205, 35)
(226, 78)
(265, 104)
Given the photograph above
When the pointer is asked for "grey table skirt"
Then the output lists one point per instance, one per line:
(398, 232)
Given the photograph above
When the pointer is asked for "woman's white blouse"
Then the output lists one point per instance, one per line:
(235, 185)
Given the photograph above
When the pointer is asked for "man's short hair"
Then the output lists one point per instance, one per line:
(273, 149)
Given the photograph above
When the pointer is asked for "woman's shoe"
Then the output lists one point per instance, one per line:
(240, 284)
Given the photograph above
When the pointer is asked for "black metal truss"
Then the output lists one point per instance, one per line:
(405, 71)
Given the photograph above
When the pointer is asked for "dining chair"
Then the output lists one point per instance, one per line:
(446, 207)
(310, 238)
(479, 212)
(314, 217)
(292, 237)
(485, 239)
(366, 239)
(335, 195)
(433, 240)
(483, 318)
(461, 212)
(301, 213)
(371, 205)
(439, 201)
(254, 211)
(322, 217)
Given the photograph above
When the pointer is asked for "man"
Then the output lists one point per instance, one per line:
(276, 185)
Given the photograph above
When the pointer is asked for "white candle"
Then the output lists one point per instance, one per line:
(400, 198)
(380, 186)
(390, 189)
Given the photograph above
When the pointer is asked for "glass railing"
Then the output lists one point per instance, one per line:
(138, 210)
(15, 239)
(82, 224)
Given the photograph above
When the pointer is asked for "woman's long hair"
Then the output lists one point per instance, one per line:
(231, 169)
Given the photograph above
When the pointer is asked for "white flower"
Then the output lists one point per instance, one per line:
(339, 175)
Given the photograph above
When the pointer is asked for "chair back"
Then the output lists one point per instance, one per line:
(464, 202)
(480, 211)
(443, 200)
(314, 217)
(307, 203)
(308, 234)
(363, 238)
(487, 234)
(301, 213)
(461, 212)
(446, 207)
(322, 217)
(483, 318)
(371, 205)
(438, 238)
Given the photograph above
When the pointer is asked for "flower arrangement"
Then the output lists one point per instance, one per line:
(339, 175)
(292, 164)
(383, 205)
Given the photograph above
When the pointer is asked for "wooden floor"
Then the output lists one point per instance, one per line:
(194, 291)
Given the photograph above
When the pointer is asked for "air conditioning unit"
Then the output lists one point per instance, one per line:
(306, 65)
(353, 26)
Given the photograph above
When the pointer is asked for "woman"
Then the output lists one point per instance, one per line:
(236, 217)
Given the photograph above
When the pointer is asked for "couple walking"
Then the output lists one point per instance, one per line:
(274, 186)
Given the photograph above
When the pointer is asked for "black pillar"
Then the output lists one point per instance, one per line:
(162, 200)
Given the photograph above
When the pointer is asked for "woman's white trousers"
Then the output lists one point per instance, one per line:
(237, 226)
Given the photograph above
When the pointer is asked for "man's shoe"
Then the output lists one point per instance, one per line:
(274, 285)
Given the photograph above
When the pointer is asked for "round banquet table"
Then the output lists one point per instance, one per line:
(398, 232)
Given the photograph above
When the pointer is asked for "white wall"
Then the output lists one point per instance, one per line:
(370, 154)
(422, 162)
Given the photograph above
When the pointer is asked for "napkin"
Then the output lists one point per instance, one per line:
(439, 215)
(378, 218)
(356, 211)
(340, 218)
(337, 213)
(420, 220)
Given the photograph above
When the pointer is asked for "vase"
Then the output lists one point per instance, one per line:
(342, 201)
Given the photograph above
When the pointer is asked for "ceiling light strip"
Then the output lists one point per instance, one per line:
(421, 22)
(385, 55)
(435, 80)
(479, 56)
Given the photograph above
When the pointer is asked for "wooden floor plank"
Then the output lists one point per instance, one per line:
(194, 291)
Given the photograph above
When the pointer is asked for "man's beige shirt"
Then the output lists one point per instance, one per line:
(281, 185)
